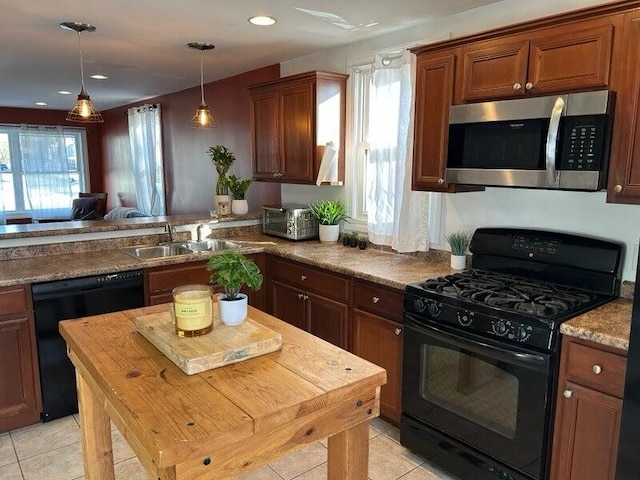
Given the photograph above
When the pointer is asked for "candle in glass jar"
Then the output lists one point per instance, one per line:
(192, 310)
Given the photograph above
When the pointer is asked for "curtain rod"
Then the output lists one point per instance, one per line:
(152, 105)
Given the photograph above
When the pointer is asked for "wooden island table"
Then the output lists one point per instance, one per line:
(222, 422)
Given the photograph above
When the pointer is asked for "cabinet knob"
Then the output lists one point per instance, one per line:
(567, 393)
(306, 297)
(528, 85)
(375, 299)
(617, 188)
(398, 331)
(517, 86)
(597, 369)
(303, 277)
(300, 295)
(440, 181)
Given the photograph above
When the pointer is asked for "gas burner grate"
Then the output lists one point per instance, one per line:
(508, 292)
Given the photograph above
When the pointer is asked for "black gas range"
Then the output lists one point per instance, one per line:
(481, 349)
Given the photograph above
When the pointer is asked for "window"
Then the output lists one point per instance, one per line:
(42, 169)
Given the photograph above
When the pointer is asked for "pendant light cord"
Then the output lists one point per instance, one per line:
(201, 77)
(81, 66)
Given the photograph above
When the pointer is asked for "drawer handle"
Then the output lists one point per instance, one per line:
(567, 393)
(597, 369)
(303, 277)
(398, 331)
(517, 86)
(375, 299)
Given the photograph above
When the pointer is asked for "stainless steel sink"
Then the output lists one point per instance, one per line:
(210, 245)
(158, 251)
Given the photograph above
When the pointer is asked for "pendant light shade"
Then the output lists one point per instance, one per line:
(202, 118)
(83, 111)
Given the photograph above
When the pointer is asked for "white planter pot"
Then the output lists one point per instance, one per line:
(458, 262)
(223, 204)
(232, 312)
(329, 233)
(239, 207)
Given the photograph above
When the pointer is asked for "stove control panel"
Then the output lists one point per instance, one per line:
(483, 321)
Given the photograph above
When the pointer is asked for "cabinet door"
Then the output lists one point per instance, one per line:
(587, 427)
(434, 96)
(19, 380)
(297, 144)
(265, 108)
(570, 60)
(287, 304)
(380, 341)
(327, 319)
(161, 280)
(624, 171)
(494, 69)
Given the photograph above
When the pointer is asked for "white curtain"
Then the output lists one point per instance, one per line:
(145, 138)
(45, 171)
(397, 216)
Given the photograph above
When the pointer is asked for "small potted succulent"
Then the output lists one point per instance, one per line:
(459, 242)
(238, 188)
(329, 214)
(222, 159)
(232, 270)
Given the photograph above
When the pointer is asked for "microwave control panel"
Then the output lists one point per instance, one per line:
(583, 142)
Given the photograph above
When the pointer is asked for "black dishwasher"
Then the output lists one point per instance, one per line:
(74, 298)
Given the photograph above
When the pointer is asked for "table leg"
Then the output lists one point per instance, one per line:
(96, 434)
(349, 454)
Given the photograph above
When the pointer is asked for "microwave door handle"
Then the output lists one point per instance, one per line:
(552, 138)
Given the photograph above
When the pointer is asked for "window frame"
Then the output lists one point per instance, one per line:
(16, 168)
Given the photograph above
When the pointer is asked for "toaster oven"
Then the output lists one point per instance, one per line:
(294, 222)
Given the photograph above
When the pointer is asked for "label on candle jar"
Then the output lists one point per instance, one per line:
(192, 308)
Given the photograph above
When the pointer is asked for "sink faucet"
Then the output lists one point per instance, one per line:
(199, 232)
(171, 230)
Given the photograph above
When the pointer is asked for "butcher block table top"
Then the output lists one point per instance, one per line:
(222, 422)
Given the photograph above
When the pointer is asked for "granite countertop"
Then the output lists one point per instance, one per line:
(607, 325)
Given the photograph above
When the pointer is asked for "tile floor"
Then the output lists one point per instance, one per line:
(52, 451)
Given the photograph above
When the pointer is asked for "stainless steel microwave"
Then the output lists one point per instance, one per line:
(555, 142)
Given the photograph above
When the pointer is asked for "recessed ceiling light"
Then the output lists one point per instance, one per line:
(41, 104)
(98, 76)
(262, 20)
(64, 92)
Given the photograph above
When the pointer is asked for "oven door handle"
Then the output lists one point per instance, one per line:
(532, 361)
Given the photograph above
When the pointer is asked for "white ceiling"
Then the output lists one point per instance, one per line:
(141, 44)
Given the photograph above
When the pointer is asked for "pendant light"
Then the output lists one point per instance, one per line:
(83, 111)
(202, 117)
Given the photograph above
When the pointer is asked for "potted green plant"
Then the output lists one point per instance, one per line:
(458, 242)
(329, 214)
(238, 188)
(232, 270)
(222, 159)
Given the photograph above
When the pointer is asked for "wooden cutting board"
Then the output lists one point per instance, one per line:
(224, 345)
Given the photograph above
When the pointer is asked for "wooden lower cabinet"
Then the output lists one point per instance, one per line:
(323, 317)
(160, 281)
(588, 412)
(20, 400)
(379, 340)
(377, 336)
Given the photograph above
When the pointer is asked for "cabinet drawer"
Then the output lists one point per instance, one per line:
(13, 300)
(167, 278)
(583, 363)
(378, 299)
(310, 279)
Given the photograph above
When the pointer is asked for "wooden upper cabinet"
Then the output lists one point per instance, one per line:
(570, 57)
(434, 95)
(494, 69)
(624, 170)
(292, 119)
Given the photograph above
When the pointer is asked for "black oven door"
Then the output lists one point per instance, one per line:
(485, 395)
